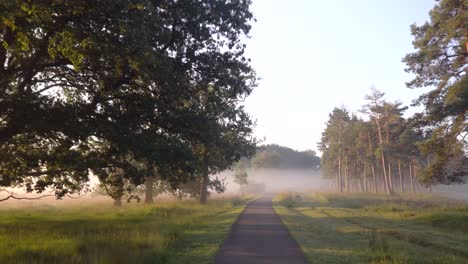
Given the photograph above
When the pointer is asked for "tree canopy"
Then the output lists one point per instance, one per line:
(440, 61)
(276, 156)
(92, 86)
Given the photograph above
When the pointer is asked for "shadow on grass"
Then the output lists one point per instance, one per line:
(200, 242)
(364, 239)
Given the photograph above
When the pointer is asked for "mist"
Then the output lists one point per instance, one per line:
(280, 180)
(454, 191)
(309, 180)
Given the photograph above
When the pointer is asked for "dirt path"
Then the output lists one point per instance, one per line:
(259, 237)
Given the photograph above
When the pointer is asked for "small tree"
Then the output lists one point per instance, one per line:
(240, 174)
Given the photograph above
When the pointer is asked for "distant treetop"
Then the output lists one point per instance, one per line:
(276, 156)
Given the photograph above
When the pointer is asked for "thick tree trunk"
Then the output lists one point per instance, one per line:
(401, 178)
(149, 190)
(117, 202)
(204, 181)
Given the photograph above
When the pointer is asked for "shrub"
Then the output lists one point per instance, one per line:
(289, 200)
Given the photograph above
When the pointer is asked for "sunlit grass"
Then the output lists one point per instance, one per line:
(168, 232)
(374, 228)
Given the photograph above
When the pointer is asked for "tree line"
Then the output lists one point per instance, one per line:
(279, 157)
(133, 92)
(378, 154)
(383, 151)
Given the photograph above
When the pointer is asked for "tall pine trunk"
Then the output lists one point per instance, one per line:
(411, 177)
(374, 178)
(347, 176)
(399, 173)
(390, 176)
(387, 187)
(337, 181)
(364, 179)
(339, 159)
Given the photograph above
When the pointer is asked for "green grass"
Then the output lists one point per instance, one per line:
(168, 232)
(367, 228)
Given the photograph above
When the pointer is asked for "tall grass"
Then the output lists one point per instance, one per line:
(168, 232)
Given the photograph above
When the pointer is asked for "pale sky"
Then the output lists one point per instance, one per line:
(313, 55)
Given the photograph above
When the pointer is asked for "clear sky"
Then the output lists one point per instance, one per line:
(313, 55)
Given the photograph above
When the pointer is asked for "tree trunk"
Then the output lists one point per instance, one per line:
(411, 177)
(385, 176)
(372, 162)
(340, 186)
(339, 160)
(387, 187)
(149, 190)
(118, 202)
(399, 173)
(390, 176)
(347, 176)
(204, 181)
(374, 179)
(364, 178)
(429, 164)
(337, 182)
(415, 177)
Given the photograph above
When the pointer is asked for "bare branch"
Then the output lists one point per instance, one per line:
(77, 197)
(11, 196)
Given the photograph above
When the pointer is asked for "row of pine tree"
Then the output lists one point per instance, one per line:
(380, 150)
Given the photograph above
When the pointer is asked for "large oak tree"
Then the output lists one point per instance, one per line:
(90, 86)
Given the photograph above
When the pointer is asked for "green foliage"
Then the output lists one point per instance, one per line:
(357, 151)
(440, 46)
(446, 164)
(331, 141)
(439, 60)
(266, 159)
(276, 156)
(93, 86)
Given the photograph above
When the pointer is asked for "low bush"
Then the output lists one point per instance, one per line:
(289, 199)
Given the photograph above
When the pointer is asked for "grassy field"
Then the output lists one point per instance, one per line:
(168, 232)
(366, 228)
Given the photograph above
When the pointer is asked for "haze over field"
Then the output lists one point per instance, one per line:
(233, 131)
